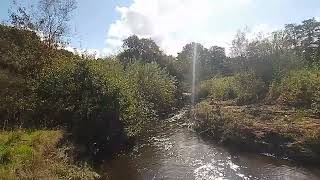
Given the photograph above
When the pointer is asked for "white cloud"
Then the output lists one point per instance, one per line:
(261, 30)
(173, 23)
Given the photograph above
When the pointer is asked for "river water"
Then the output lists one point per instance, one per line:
(171, 150)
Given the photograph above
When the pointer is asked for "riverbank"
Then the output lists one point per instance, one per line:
(279, 130)
(39, 154)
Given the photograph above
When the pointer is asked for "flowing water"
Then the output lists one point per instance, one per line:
(171, 150)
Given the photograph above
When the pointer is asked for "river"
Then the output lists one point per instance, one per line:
(171, 150)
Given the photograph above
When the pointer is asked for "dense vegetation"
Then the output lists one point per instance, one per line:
(80, 93)
(101, 104)
(33, 155)
(269, 99)
(281, 67)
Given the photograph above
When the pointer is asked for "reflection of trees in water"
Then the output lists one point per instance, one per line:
(122, 168)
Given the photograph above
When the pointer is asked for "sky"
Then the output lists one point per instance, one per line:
(99, 26)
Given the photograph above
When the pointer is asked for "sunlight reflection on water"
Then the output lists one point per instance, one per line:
(174, 152)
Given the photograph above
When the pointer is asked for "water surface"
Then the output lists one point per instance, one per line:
(171, 150)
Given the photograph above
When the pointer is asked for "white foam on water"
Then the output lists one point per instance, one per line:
(208, 172)
(233, 166)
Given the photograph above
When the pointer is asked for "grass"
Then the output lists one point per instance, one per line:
(263, 128)
(36, 154)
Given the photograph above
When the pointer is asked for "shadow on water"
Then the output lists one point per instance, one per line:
(172, 151)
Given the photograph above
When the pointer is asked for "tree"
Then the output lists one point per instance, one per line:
(239, 44)
(259, 48)
(310, 34)
(185, 60)
(304, 39)
(50, 18)
(291, 36)
(209, 62)
(21, 51)
(216, 62)
(279, 45)
(135, 49)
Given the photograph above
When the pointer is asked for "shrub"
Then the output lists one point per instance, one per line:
(17, 100)
(154, 85)
(89, 97)
(101, 102)
(21, 51)
(299, 88)
(248, 88)
(218, 88)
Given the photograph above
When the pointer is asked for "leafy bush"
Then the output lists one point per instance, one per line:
(17, 100)
(299, 88)
(218, 88)
(248, 88)
(21, 51)
(154, 85)
(244, 87)
(100, 101)
(92, 98)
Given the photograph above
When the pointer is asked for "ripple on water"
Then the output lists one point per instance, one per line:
(162, 143)
(218, 170)
(208, 171)
(172, 151)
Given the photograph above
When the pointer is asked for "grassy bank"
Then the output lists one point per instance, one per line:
(39, 154)
(280, 130)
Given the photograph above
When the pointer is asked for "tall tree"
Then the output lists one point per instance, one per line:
(240, 44)
(50, 18)
(136, 49)
(304, 39)
(209, 62)
(216, 61)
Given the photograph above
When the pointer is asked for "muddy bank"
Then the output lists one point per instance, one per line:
(278, 130)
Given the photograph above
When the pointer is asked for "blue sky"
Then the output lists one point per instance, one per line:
(100, 25)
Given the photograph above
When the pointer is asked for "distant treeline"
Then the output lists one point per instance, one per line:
(282, 67)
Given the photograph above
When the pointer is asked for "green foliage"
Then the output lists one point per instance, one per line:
(34, 154)
(218, 88)
(245, 88)
(90, 97)
(99, 100)
(155, 85)
(144, 50)
(298, 39)
(102, 102)
(299, 88)
(17, 100)
(249, 88)
(21, 51)
(209, 62)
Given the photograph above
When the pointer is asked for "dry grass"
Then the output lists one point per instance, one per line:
(278, 128)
